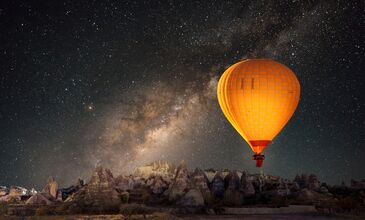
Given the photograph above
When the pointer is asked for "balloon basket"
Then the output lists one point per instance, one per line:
(259, 159)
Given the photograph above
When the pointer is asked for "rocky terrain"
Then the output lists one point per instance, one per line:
(164, 187)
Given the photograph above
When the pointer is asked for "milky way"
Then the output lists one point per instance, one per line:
(126, 83)
(158, 123)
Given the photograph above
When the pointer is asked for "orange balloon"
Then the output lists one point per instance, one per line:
(258, 97)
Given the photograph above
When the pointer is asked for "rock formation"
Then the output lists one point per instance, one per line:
(122, 183)
(357, 184)
(232, 195)
(160, 168)
(136, 182)
(232, 181)
(104, 193)
(192, 198)
(4, 191)
(210, 173)
(15, 194)
(51, 187)
(313, 182)
(217, 186)
(38, 199)
(323, 189)
(304, 181)
(282, 189)
(157, 185)
(201, 182)
(99, 195)
(246, 187)
(180, 184)
(64, 193)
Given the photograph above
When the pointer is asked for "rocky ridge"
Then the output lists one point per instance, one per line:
(162, 183)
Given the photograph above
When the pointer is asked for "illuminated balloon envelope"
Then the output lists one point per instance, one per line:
(258, 97)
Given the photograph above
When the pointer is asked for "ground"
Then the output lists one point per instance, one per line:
(267, 217)
(192, 217)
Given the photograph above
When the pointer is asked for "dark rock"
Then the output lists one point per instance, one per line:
(232, 181)
(157, 185)
(123, 183)
(232, 195)
(293, 187)
(217, 185)
(282, 189)
(200, 181)
(304, 181)
(308, 195)
(98, 196)
(39, 199)
(66, 192)
(180, 184)
(136, 182)
(246, 187)
(313, 182)
(357, 184)
(192, 198)
(323, 189)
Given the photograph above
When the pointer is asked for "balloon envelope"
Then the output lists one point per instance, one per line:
(258, 97)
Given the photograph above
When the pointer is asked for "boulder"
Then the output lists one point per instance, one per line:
(192, 198)
(217, 185)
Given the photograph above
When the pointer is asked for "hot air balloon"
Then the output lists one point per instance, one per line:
(258, 97)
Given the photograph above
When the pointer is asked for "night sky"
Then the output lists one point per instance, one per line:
(126, 83)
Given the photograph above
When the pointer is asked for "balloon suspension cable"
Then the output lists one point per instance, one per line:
(259, 159)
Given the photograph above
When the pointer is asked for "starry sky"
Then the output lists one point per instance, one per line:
(124, 83)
